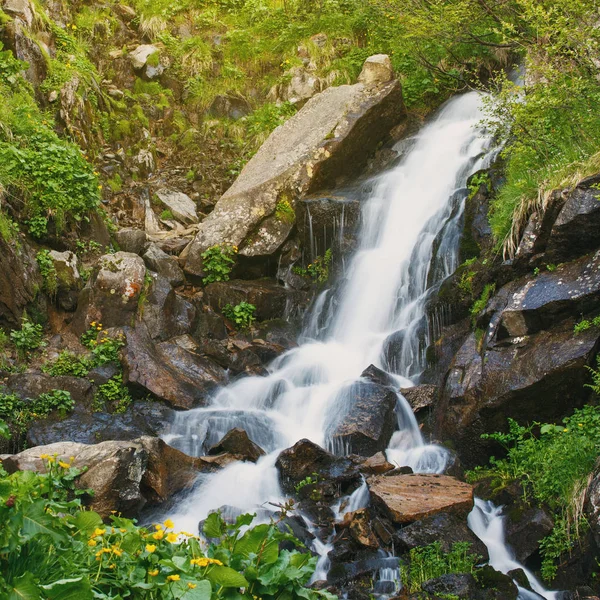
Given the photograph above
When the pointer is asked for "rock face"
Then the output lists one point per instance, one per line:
(131, 240)
(19, 281)
(123, 475)
(489, 585)
(269, 298)
(367, 422)
(408, 498)
(376, 70)
(238, 443)
(592, 504)
(68, 280)
(112, 294)
(163, 264)
(330, 137)
(175, 375)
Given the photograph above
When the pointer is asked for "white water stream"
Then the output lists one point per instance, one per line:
(409, 238)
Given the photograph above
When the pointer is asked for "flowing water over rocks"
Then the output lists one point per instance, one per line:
(409, 238)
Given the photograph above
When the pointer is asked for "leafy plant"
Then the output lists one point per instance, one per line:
(241, 314)
(584, 325)
(481, 302)
(429, 562)
(28, 338)
(113, 394)
(218, 261)
(166, 215)
(67, 363)
(48, 271)
(477, 181)
(318, 269)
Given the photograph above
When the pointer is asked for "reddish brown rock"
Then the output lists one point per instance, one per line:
(407, 498)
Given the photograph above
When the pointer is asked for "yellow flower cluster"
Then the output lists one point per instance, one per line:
(97, 326)
(204, 562)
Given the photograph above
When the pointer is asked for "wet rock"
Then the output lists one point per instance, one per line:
(335, 474)
(238, 443)
(508, 381)
(376, 70)
(124, 476)
(68, 280)
(378, 376)
(445, 528)
(209, 324)
(181, 205)
(358, 526)
(331, 137)
(131, 240)
(231, 107)
(525, 528)
(541, 302)
(367, 422)
(576, 231)
(376, 465)
(85, 426)
(489, 585)
(421, 397)
(112, 294)
(163, 264)
(31, 385)
(408, 498)
(592, 504)
(269, 298)
(279, 332)
(20, 280)
(181, 378)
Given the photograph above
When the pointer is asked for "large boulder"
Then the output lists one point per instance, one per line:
(124, 476)
(534, 378)
(160, 262)
(68, 280)
(112, 294)
(488, 584)
(182, 207)
(131, 240)
(269, 298)
(367, 421)
(237, 442)
(540, 302)
(408, 498)
(331, 137)
(334, 474)
(173, 374)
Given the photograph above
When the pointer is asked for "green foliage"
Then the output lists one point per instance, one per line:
(55, 549)
(595, 385)
(28, 338)
(477, 181)
(115, 183)
(584, 325)
(67, 363)
(318, 269)
(553, 468)
(429, 562)
(481, 302)
(166, 215)
(48, 271)
(9, 230)
(284, 211)
(241, 314)
(218, 261)
(113, 395)
(309, 480)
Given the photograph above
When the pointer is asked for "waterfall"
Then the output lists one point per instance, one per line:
(409, 239)
(487, 523)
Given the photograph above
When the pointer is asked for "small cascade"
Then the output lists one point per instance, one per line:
(487, 523)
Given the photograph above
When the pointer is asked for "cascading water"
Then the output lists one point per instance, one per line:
(487, 523)
(408, 242)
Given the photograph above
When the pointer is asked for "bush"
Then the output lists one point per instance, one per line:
(112, 395)
(242, 314)
(28, 338)
(56, 549)
(318, 269)
(429, 562)
(67, 363)
(48, 271)
(218, 261)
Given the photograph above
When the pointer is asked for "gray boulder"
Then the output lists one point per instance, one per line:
(331, 137)
(163, 264)
(131, 240)
(181, 205)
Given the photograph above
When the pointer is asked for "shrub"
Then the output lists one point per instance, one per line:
(56, 549)
(218, 261)
(48, 271)
(112, 395)
(241, 314)
(67, 363)
(318, 269)
(28, 338)
(429, 562)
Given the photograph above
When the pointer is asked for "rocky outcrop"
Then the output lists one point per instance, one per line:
(111, 296)
(592, 503)
(163, 264)
(131, 240)
(179, 204)
(124, 476)
(367, 421)
(330, 137)
(237, 443)
(408, 498)
(489, 584)
(67, 278)
(173, 374)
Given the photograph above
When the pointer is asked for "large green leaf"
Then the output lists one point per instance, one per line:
(226, 576)
(86, 520)
(252, 540)
(214, 526)
(78, 588)
(202, 591)
(24, 588)
(37, 522)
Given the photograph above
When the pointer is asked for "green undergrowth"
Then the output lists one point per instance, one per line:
(553, 463)
(56, 549)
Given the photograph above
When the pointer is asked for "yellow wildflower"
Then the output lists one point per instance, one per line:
(186, 533)
(92, 543)
(153, 573)
(172, 538)
(159, 535)
(173, 578)
(93, 323)
(44, 456)
(98, 531)
(64, 465)
(158, 526)
(117, 551)
(191, 585)
(122, 530)
(204, 562)
(71, 458)
(169, 524)
(150, 548)
(51, 459)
